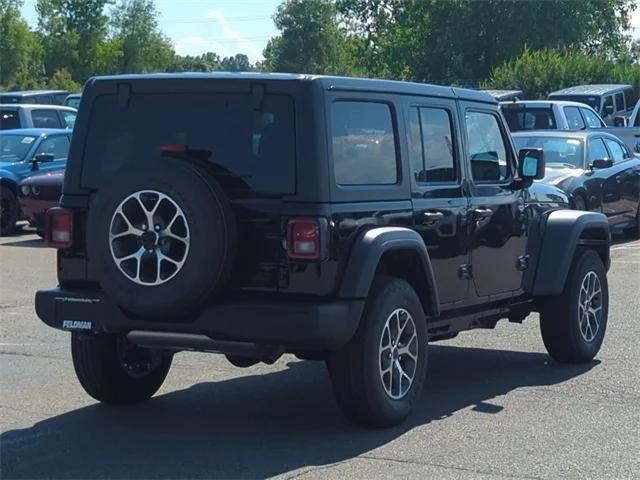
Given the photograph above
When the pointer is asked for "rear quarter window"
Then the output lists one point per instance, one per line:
(363, 143)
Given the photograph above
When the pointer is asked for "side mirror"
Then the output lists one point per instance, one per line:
(601, 163)
(41, 157)
(620, 122)
(44, 157)
(531, 163)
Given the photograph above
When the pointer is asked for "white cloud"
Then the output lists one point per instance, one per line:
(220, 38)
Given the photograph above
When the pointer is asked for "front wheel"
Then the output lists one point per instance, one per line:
(112, 370)
(634, 232)
(378, 375)
(573, 323)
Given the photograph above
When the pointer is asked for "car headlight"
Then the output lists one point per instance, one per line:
(26, 190)
(35, 190)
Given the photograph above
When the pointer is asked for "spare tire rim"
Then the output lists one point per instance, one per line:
(398, 354)
(149, 237)
(590, 306)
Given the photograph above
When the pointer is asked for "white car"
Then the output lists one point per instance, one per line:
(550, 115)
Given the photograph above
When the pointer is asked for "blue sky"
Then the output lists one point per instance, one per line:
(226, 27)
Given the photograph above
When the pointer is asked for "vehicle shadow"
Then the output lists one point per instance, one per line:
(257, 426)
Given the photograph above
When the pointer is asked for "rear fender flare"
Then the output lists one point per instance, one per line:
(367, 253)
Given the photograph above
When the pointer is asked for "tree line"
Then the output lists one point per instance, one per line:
(533, 46)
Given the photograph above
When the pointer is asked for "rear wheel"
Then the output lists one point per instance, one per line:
(112, 370)
(573, 323)
(379, 374)
(9, 211)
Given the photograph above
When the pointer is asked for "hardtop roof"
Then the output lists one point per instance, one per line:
(327, 83)
(596, 89)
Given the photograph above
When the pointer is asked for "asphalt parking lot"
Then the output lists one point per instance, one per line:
(495, 405)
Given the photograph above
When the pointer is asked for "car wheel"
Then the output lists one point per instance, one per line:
(9, 211)
(579, 203)
(378, 375)
(573, 323)
(163, 238)
(634, 232)
(113, 370)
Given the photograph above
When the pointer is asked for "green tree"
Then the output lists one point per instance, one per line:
(238, 63)
(311, 39)
(144, 48)
(20, 49)
(537, 73)
(460, 41)
(61, 80)
(72, 31)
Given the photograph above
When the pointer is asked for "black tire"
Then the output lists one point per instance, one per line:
(212, 236)
(114, 371)
(560, 316)
(579, 203)
(634, 232)
(355, 369)
(9, 211)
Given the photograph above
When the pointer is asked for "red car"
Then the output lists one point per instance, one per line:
(37, 193)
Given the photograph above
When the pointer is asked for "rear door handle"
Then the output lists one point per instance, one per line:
(482, 213)
(429, 218)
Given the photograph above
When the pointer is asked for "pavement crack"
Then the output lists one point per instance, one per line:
(25, 354)
(449, 467)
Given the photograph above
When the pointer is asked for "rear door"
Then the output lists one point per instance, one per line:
(497, 211)
(438, 191)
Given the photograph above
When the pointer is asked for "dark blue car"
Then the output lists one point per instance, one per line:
(21, 153)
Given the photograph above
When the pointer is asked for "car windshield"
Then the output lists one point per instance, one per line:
(14, 148)
(591, 100)
(525, 117)
(558, 152)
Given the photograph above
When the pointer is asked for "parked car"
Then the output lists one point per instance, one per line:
(549, 115)
(628, 129)
(38, 193)
(23, 152)
(40, 97)
(13, 117)
(505, 95)
(73, 100)
(343, 219)
(609, 100)
(596, 169)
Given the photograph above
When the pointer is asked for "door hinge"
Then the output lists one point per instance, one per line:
(465, 271)
(522, 263)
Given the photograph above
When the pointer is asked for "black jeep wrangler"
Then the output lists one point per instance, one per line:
(341, 219)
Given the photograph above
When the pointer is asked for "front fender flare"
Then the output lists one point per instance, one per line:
(369, 249)
(563, 232)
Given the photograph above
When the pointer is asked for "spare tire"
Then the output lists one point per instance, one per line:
(161, 238)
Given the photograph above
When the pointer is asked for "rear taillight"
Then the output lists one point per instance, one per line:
(59, 227)
(303, 239)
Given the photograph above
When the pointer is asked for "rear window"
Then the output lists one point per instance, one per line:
(9, 119)
(253, 148)
(523, 117)
(363, 144)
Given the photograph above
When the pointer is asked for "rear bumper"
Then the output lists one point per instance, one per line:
(293, 325)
